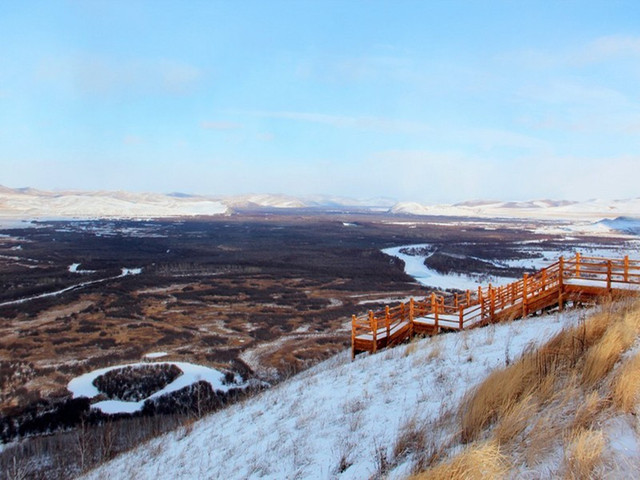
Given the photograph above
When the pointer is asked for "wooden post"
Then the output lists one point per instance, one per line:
(561, 283)
(525, 280)
(468, 297)
(481, 300)
(373, 322)
(455, 300)
(412, 308)
(626, 268)
(577, 265)
(434, 307)
(492, 303)
(461, 317)
(387, 322)
(609, 275)
(353, 337)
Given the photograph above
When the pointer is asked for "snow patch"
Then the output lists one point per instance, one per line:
(156, 355)
(131, 271)
(83, 386)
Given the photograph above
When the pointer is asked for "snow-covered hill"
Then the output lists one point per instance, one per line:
(623, 224)
(27, 203)
(542, 209)
(340, 419)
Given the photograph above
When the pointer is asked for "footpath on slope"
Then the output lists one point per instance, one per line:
(579, 278)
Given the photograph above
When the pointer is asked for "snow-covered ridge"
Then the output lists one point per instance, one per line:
(31, 203)
(23, 203)
(542, 209)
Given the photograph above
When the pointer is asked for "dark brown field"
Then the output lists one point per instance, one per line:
(259, 294)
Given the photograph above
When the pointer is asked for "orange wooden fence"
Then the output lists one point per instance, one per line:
(570, 279)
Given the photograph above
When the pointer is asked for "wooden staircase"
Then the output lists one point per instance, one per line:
(579, 278)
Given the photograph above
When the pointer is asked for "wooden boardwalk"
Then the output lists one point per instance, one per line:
(576, 279)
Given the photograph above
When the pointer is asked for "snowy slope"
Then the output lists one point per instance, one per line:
(542, 209)
(337, 413)
(29, 203)
(24, 203)
(623, 224)
(32, 203)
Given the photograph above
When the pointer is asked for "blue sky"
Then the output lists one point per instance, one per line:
(438, 101)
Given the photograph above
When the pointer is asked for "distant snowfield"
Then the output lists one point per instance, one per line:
(306, 426)
(83, 386)
(29, 203)
(591, 210)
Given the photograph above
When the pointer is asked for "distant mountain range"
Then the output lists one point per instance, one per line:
(27, 203)
(589, 210)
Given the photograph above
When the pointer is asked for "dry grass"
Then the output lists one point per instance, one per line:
(551, 398)
(626, 387)
(594, 345)
(500, 391)
(436, 348)
(478, 461)
(603, 356)
(587, 411)
(515, 419)
(412, 347)
(412, 438)
(542, 439)
(583, 454)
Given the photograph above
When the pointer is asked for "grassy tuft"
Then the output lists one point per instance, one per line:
(583, 454)
(477, 461)
(626, 386)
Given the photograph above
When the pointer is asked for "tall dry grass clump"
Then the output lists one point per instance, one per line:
(592, 347)
(583, 455)
(476, 462)
(626, 387)
(617, 339)
(552, 397)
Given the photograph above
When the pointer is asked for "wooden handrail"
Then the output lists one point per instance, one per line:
(484, 306)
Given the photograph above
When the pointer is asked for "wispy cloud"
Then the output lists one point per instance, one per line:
(609, 47)
(265, 137)
(573, 92)
(95, 74)
(354, 69)
(381, 124)
(132, 140)
(598, 50)
(220, 125)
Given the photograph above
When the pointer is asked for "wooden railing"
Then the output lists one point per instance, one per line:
(565, 279)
